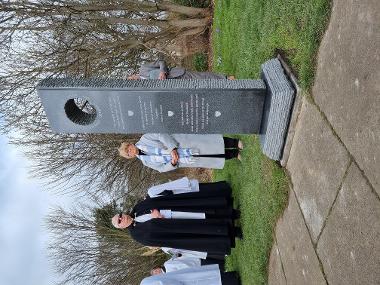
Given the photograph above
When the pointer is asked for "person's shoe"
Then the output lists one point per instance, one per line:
(231, 77)
(239, 156)
(235, 214)
(240, 145)
(238, 233)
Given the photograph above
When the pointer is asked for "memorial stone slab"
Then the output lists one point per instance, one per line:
(203, 106)
(154, 106)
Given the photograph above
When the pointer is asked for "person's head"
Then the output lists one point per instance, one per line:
(156, 271)
(121, 221)
(133, 77)
(128, 150)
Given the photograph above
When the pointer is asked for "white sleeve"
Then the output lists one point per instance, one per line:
(182, 185)
(160, 167)
(166, 213)
(161, 279)
(168, 250)
(166, 139)
(188, 215)
(184, 252)
(143, 218)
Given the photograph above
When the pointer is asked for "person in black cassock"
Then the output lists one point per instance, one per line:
(185, 214)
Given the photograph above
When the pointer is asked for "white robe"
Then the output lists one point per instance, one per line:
(179, 186)
(201, 275)
(177, 263)
(184, 252)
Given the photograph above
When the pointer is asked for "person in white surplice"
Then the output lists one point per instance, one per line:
(198, 275)
(181, 261)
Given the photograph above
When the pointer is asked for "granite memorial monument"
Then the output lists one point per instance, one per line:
(174, 106)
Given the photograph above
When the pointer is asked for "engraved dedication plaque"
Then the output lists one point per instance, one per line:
(143, 106)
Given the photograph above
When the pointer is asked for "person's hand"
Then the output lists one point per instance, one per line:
(156, 214)
(175, 157)
(162, 75)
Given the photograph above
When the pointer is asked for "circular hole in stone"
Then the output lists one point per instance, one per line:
(80, 111)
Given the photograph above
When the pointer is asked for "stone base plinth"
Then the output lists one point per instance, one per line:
(277, 109)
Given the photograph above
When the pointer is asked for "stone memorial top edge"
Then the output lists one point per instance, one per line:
(177, 84)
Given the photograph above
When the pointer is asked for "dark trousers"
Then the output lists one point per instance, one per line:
(230, 142)
(231, 149)
(229, 278)
(222, 189)
(218, 261)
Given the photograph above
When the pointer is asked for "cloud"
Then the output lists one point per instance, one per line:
(23, 238)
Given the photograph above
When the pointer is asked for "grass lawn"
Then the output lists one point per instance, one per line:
(246, 33)
(260, 192)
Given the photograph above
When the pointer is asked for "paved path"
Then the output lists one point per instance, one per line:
(330, 232)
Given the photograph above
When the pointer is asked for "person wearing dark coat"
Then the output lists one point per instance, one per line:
(200, 221)
(159, 70)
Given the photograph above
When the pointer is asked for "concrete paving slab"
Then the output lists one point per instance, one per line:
(300, 261)
(349, 247)
(276, 274)
(347, 85)
(317, 164)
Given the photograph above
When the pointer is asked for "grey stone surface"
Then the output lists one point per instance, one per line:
(179, 84)
(300, 261)
(142, 106)
(317, 164)
(347, 85)
(174, 106)
(349, 247)
(297, 106)
(276, 273)
(277, 109)
(347, 93)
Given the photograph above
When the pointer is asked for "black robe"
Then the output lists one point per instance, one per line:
(214, 199)
(213, 235)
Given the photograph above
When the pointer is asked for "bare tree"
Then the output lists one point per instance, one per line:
(88, 250)
(84, 38)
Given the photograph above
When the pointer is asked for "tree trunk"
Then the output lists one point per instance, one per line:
(188, 11)
(129, 5)
(190, 23)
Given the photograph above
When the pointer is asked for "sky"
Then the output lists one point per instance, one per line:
(23, 207)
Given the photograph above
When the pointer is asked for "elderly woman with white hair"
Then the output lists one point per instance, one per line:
(165, 152)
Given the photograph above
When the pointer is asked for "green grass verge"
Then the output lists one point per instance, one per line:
(246, 33)
(200, 61)
(260, 189)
